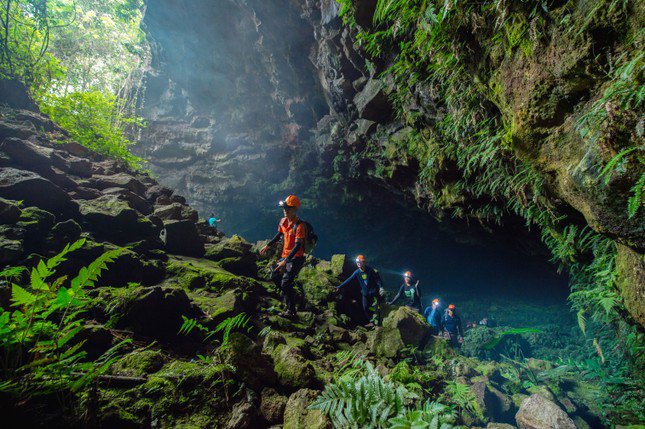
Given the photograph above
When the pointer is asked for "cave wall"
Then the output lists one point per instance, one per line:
(248, 99)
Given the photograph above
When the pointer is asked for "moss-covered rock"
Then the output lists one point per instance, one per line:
(319, 286)
(193, 273)
(630, 280)
(139, 363)
(292, 368)
(219, 307)
(342, 266)
(233, 247)
(384, 342)
(413, 328)
(298, 416)
(253, 367)
(272, 405)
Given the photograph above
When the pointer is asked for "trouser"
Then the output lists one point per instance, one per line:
(372, 308)
(284, 280)
(453, 337)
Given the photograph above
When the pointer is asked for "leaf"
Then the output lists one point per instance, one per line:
(582, 322)
(20, 296)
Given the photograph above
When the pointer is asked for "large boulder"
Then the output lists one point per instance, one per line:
(297, 415)
(319, 287)
(176, 211)
(119, 180)
(292, 368)
(234, 254)
(113, 219)
(34, 190)
(157, 312)
(255, 368)
(384, 342)
(537, 412)
(342, 266)
(180, 237)
(411, 325)
(133, 200)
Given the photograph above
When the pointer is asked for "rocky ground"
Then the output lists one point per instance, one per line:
(269, 369)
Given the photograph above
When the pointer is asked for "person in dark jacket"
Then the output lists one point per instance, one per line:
(370, 284)
(410, 290)
(433, 316)
(452, 326)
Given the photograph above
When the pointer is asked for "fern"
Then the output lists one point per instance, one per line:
(362, 400)
(431, 415)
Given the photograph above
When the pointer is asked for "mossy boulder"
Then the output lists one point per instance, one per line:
(385, 342)
(193, 273)
(233, 247)
(36, 222)
(292, 368)
(319, 286)
(114, 220)
(9, 212)
(489, 343)
(298, 416)
(413, 328)
(253, 367)
(342, 266)
(219, 307)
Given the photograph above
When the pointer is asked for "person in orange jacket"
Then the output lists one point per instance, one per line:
(289, 265)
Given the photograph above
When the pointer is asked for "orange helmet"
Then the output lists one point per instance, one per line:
(408, 274)
(290, 201)
(452, 306)
(360, 258)
(435, 301)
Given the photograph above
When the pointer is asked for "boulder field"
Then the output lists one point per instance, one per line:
(262, 372)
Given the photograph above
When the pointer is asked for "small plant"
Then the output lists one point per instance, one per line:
(238, 322)
(432, 415)
(461, 395)
(38, 338)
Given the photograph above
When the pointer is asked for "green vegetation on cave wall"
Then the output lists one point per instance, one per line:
(529, 108)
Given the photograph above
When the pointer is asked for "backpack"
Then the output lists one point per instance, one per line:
(311, 239)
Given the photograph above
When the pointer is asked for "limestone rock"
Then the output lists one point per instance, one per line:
(111, 218)
(372, 103)
(537, 412)
(297, 416)
(241, 416)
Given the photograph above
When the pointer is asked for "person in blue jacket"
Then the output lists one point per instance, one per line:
(433, 316)
(371, 284)
(452, 326)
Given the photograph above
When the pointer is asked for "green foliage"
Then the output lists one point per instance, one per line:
(238, 322)
(515, 331)
(93, 120)
(362, 400)
(461, 395)
(38, 338)
(83, 62)
(431, 415)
